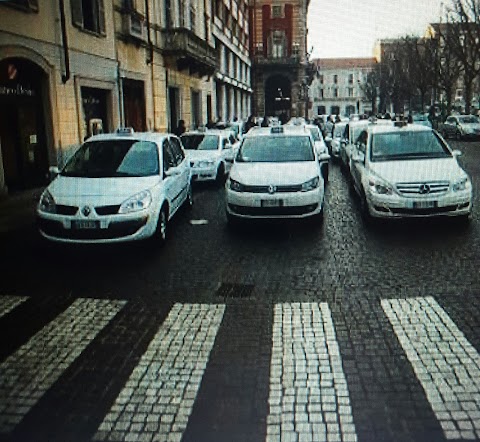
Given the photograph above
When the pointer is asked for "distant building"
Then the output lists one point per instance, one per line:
(338, 89)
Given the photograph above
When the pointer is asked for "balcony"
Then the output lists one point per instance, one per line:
(293, 60)
(188, 51)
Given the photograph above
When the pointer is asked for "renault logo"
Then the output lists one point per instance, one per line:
(86, 211)
(271, 189)
(424, 188)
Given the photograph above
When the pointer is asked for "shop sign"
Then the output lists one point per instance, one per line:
(18, 90)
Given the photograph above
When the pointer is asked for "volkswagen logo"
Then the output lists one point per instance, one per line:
(86, 211)
(424, 189)
(271, 189)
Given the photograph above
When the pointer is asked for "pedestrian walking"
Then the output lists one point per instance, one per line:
(180, 128)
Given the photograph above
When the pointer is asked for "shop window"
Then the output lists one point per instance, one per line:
(25, 5)
(89, 15)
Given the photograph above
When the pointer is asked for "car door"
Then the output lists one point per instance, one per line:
(172, 177)
(358, 158)
(227, 153)
(182, 165)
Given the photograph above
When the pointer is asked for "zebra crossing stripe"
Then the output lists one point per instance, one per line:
(309, 398)
(157, 400)
(8, 303)
(29, 372)
(445, 363)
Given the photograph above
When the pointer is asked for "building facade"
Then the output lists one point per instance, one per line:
(73, 68)
(337, 90)
(280, 59)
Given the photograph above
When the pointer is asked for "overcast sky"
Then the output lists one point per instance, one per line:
(349, 28)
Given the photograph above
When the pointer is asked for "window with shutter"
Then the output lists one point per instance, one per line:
(24, 5)
(101, 17)
(89, 15)
(77, 12)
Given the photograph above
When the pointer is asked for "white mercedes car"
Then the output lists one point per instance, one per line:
(276, 174)
(117, 187)
(408, 171)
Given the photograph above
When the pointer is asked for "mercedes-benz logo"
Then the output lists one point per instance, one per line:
(424, 188)
(86, 211)
(271, 189)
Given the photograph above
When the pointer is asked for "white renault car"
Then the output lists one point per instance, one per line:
(276, 174)
(210, 153)
(117, 187)
(408, 171)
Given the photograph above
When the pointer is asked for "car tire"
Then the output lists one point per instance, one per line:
(220, 178)
(367, 218)
(160, 236)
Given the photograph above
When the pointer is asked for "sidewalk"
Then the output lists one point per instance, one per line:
(17, 210)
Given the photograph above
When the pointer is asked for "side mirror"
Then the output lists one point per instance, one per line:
(53, 171)
(323, 157)
(456, 153)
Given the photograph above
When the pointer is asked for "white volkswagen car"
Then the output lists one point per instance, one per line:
(276, 174)
(408, 171)
(117, 187)
(210, 154)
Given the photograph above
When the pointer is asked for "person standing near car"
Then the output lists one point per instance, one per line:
(180, 128)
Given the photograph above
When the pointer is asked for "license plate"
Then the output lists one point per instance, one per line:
(424, 204)
(85, 224)
(271, 203)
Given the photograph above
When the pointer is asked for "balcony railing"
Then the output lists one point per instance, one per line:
(189, 51)
(292, 60)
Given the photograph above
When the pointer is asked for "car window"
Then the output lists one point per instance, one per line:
(168, 157)
(199, 141)
(315, 133)
(407, 145)
(114, 158)
(177, 150)
(276, 149)
(224, 143)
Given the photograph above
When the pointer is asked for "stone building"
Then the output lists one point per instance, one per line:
(280, 60)
(337, 89)
(72, 68)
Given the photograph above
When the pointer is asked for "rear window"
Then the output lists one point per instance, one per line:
(199, 142)
(276, 149)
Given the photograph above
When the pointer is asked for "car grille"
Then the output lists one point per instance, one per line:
(429, 211)
(278, 189)
(273, 211)
(117, 229)
(419, 188)
(107, 210)
(66, 210)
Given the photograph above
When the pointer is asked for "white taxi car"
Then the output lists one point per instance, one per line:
(210, 153)
(276, 174)
(117, 187)
(408, 171)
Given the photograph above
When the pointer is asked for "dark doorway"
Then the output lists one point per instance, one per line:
(278, 97)
(95, 110)
(23, 94)
(134, 104)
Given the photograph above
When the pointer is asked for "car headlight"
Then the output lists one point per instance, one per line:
(310, 184)
(205, 163)
(235, 185)
(460, 185)
(47, 203)
(379, 186)
(137, 202)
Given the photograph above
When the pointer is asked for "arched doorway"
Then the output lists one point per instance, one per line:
(278, 97)
(23, 140)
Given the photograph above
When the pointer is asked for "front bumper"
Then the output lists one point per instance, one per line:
(396, 206)
(104, 229)
(276, 206)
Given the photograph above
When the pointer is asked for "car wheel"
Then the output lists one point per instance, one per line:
(160, 236)
(220, 178)
(365, 212)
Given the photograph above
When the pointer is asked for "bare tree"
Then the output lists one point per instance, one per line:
(371, 87)
(463, 17)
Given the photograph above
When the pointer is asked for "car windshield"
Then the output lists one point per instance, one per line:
(200, 142)
(113, 158)
(339, 130)
(276, 149)
(407, 145)
(315, 134)
(468, 119)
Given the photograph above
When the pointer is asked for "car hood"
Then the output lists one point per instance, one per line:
(264, 174)
(195, 155)
(98, 191)
(418, 170)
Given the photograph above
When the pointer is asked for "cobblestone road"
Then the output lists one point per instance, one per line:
(278, 332)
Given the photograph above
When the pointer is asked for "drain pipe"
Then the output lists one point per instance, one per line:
(66, 55)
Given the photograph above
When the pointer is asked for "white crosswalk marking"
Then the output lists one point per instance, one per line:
(445, 363)
(309, 397)
(29, 372)
(8, 303)
(157, 400)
